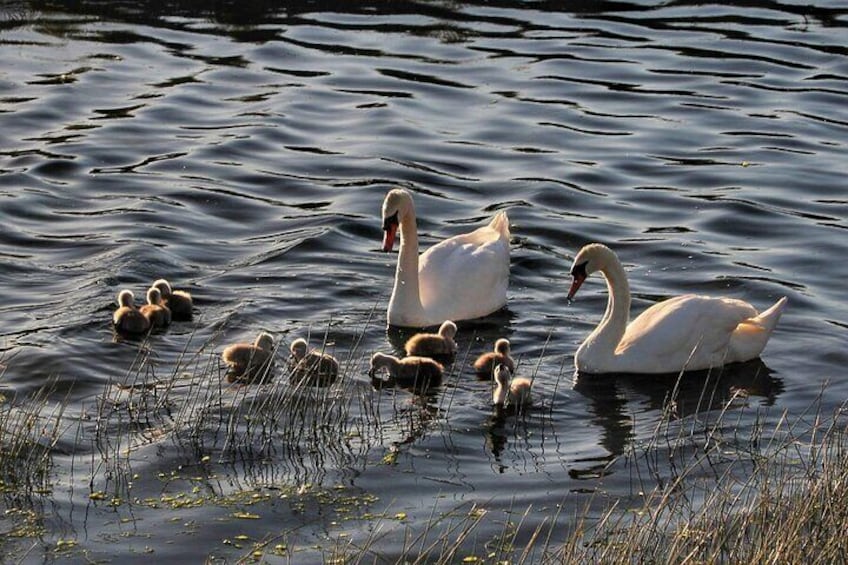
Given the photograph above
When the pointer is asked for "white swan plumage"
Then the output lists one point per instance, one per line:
(689, 332)
(460, 278)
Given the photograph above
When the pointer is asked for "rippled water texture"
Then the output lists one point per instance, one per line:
(244, 153)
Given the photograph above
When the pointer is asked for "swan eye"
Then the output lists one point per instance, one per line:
(580, 270)
(580, 275)
(390, 222)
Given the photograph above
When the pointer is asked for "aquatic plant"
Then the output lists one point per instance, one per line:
(704, 490)
(29, 430)
(705, 495)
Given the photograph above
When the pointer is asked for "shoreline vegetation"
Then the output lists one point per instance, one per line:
(701, 492)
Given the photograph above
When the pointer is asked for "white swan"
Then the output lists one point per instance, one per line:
(687, 332)
(460, 278)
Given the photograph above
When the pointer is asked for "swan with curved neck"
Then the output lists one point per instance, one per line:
(684, 333)
(460, 278)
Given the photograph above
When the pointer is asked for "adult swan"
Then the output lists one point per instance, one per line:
(683, 333)
(460, 278)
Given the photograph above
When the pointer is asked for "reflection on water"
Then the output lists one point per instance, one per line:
(502, 425)
(495, 325)
(242, 151)
(613, 399)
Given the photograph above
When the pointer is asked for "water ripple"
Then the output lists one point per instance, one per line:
(243, 151)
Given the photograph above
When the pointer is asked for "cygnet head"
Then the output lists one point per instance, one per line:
(447, 329)
(264, 341)
(126, 298)
(396, 206)
(154, 296)
(381, 361)
(502, 376)
(502, 347)
(299, 348)
(163, 286)
(590, 259)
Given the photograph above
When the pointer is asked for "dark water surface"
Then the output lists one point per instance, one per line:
(244, 153)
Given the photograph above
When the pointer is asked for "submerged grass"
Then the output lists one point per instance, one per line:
(777, 496)
(704, 491)
(788, 505)
(28, 432)
(194, 412)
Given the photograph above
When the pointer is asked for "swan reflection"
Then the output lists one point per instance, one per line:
(614, 399)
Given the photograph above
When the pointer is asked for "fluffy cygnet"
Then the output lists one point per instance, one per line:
(127, 319)
(179, 302)
(510, 392)
(313, 368)
(249, 362)
(486, 363)
(410, 372)
(439, 346)
(155, 311)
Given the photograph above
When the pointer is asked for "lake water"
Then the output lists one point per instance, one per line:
(244, 152)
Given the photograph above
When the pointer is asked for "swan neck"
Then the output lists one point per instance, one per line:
(618, 303)
(610, 330)
(406, 295)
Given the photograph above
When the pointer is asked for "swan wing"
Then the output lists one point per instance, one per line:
(466, 276)
(689, 330)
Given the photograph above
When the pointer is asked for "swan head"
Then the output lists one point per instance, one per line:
(163, 286)
(591, 258)
(447, 329)
(264, 342)
(298, 349)
(126, 298)
(396, 205)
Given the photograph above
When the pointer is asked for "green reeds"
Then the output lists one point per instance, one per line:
(708, 495)
(728, 483)
(29, 430)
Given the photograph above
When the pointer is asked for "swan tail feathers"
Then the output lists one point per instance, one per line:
(768, 319)
(750, 336)
(500, 223)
